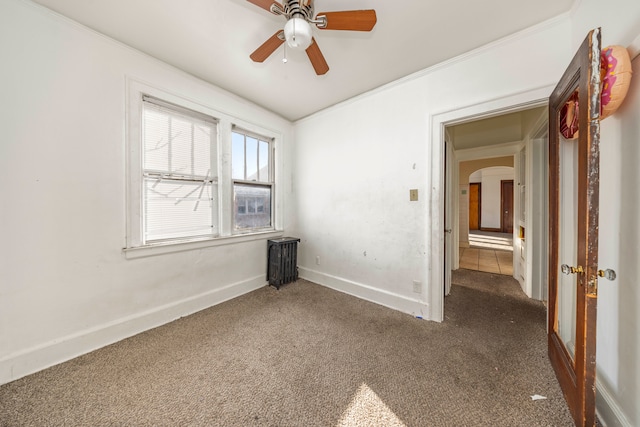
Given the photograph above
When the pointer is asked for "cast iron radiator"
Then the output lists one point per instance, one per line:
(282, 262)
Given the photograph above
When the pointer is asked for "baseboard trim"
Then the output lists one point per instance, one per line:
(608, 410)
(31, 360)
(397, 302)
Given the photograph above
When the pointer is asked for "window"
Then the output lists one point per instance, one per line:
(179, 176)
(196, 177)
(252, 180)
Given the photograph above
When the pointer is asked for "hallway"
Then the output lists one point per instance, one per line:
(489, 252)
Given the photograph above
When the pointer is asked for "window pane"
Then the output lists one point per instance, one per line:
(237, 155)
(178, 167)
(181, 152)
(178, 209)
(203, 142)
(173, 144)
(252, 159)
(263, 156)
(252, 206)
(156, 140)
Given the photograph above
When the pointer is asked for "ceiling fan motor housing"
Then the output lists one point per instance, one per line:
(296, 8)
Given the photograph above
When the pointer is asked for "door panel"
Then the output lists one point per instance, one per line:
(568, 187)
(573, 229)
(474, 206)
(506, 206)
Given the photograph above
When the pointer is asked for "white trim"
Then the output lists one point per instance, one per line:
(634, 48)
(536, 226)
(172, 247)
(608, 410)
(575, 8)
(28, 361)
(436, 207)
(391, 300)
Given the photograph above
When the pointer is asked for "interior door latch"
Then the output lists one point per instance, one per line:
(566, 269)
(592, 285)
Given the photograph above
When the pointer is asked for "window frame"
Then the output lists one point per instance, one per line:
(135, 247)
(151, 103)
(270, 183)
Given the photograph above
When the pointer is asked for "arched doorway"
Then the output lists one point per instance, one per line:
(486, 215)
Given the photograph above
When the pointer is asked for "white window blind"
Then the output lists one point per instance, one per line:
(180, 183)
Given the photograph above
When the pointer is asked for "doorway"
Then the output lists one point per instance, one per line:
(440, 125)
(488, 200)
(484, 245)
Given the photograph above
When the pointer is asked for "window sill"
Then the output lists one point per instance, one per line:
(171, 247)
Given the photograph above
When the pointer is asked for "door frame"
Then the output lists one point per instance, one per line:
(435, 239)
(538, 216)
(450, 232)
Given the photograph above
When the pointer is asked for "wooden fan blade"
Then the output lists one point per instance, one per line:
(265, 4)
(350, 20)
(267, 48)
(316, 58)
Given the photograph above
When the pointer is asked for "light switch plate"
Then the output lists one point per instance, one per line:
(413, 195)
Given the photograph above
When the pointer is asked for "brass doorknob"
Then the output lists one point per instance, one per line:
(607, 274)
(571, 270)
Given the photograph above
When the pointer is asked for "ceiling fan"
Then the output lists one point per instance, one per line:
(297, 30)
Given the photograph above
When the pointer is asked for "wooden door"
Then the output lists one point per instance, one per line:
(474, 206)
(506, 206)
(573, 229)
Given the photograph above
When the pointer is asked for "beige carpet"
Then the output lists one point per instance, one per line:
(310, 356)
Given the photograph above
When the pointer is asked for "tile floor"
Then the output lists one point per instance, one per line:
(489, 252)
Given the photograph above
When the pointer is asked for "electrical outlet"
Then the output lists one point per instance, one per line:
(317, 259)
(417, 286)
(413, 195)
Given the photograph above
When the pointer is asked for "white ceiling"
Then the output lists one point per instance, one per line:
(502, 129)
(212, 39)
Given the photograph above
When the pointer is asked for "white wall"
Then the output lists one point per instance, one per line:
(619, 302)
(66, 287)
(355, 164)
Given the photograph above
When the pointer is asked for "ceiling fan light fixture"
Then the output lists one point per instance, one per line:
(297, 33)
